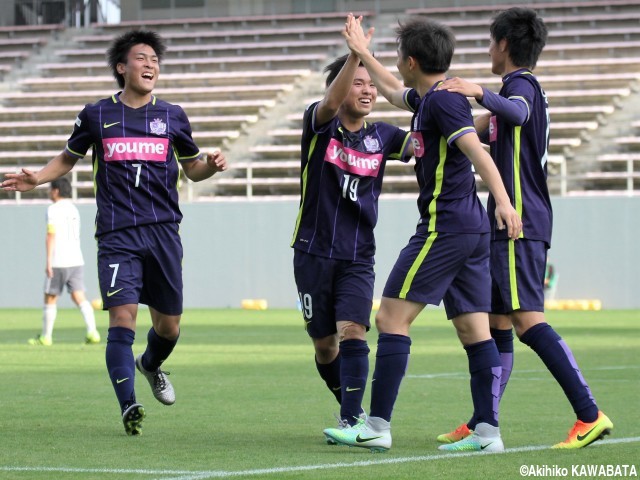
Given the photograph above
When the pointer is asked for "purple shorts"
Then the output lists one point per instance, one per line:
(142, 265)
(449, 267)
(332, 290)
(517, 272)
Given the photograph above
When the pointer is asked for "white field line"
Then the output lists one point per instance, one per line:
(516, 372)
(202, 475)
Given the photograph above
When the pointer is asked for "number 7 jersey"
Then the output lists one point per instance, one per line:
(135, 160)
(340, 184)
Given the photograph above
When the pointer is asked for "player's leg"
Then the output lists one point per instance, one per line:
(467, 302)
(120, 278)
(353, 293)
(162, 291)
(591, 424)
(528, 318)
(52, 289)
(314, 277)
(75, 284)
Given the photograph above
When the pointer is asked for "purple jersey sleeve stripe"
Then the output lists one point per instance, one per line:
(459, 133)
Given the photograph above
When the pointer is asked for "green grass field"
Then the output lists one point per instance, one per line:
(251, 405)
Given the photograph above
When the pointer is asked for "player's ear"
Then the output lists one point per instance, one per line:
(120, 68)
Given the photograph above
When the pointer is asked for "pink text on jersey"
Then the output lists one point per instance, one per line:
(352, 161)
(131, 148)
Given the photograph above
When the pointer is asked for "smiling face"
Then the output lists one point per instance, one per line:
(362, 96)
(141, 70)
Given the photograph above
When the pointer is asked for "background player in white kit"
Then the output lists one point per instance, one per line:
(65, 264)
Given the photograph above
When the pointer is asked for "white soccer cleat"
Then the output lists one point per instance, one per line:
(362, 435)
(160, 384)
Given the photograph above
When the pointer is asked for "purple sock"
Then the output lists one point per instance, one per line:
(158, 350)
(559, 359)
(392, 359)
(504, 343)
(121, 364)
(330, 373)
(354, 371)
(485, 370)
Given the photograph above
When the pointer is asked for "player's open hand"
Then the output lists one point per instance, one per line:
(459, 85)
(20, 182)
(217, 161)
(357, 41)
(507, 217)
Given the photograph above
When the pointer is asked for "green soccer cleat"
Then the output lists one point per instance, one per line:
(160, 384)
(458, 434)
(40, 340)
(132, 419)
(92, 338)
(361, 435)
(583, 434)
(485, 438)
(342, 424)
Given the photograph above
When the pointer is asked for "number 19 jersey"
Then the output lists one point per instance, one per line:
(340, 184)
(135, 155)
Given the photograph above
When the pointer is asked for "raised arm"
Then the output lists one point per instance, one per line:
(387, 83)
(337, 92)
(28, 179)
(506, 215)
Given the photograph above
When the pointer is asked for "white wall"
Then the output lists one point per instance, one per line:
(236, 250)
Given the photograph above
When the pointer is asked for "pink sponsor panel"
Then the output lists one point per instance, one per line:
(132, 148)
(493, 128)
(353, 161)
(418, 144)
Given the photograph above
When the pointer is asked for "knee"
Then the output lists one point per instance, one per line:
(351, 331)
(326, 349)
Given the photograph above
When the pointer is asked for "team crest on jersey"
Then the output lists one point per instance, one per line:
(371, 144)
(158, 127)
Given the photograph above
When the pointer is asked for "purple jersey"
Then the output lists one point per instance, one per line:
(135, 154)
(520, 153)
(340, 184)
(448, 201)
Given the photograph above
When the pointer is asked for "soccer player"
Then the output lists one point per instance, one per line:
(64, 264)
(343, 162)
(137, 142)
(517, 130)
(448, 256)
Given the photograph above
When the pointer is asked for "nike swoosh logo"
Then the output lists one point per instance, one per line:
(349, 389)
(582, 437)
(120, 380)
(107, 125)
(482, 447)
(360, 439)
(335, 389)
(111, 294)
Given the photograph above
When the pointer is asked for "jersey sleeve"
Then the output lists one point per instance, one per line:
(81, 138)
(411, 99)
(516, 107)
(183, 143)
(399, 145)
(309, 125)
(452, 113)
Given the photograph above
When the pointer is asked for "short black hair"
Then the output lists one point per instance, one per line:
(525, 32)
(334, 68)
(63, 185)
(431, 43)
(121, 45)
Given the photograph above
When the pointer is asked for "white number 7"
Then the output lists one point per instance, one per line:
(138, 166)
(115, 267)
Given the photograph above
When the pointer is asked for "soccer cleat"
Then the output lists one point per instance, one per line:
(92, 338)
(132, 419)
(160, 384)
(485, 438)
(582, 434)
(361, 435)
(458, 434)
(344, 423)
(40, 340)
